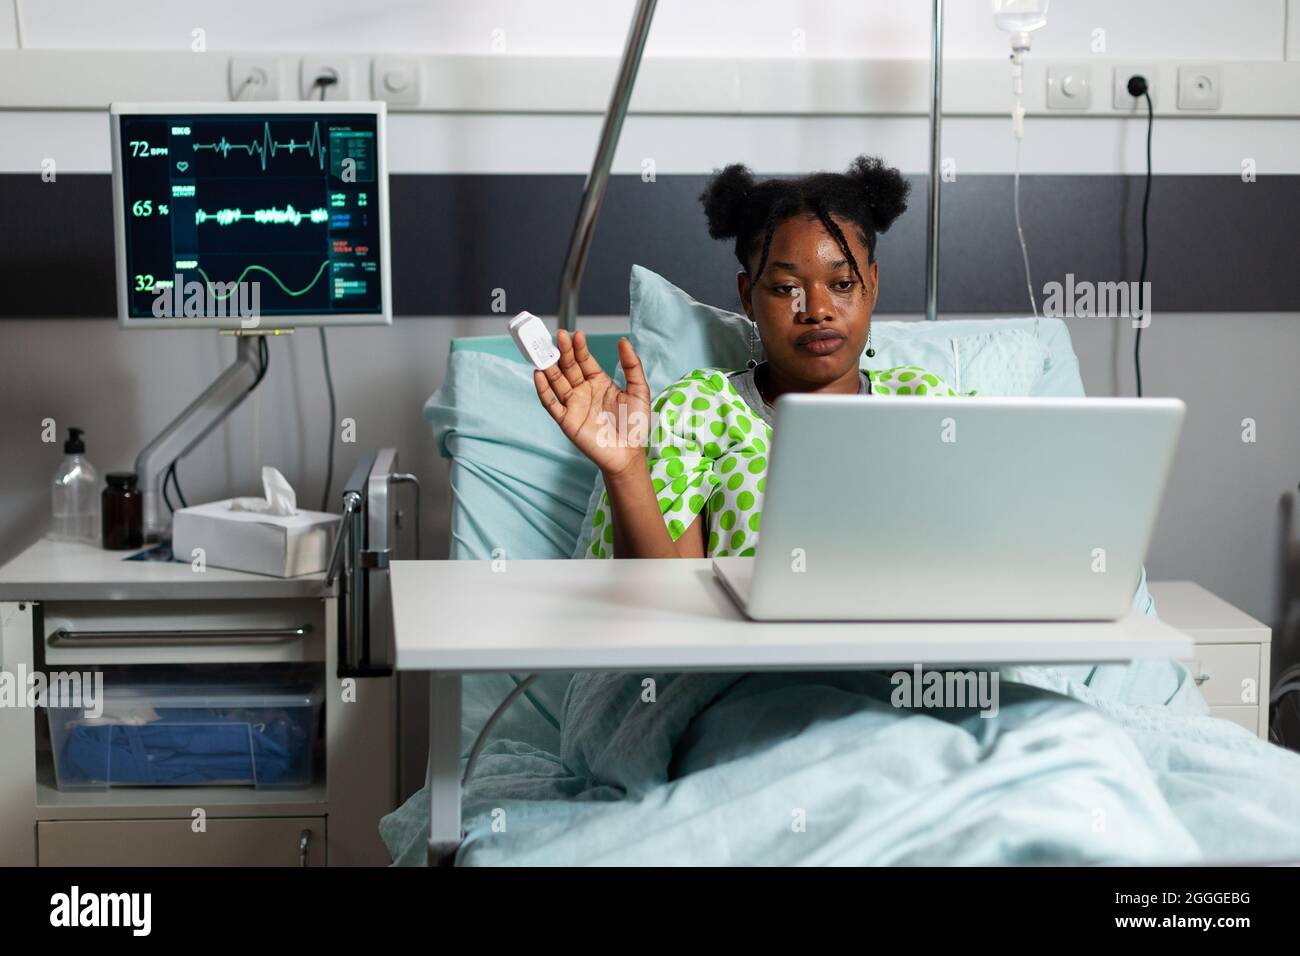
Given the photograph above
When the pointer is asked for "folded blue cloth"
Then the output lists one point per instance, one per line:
(188, 746)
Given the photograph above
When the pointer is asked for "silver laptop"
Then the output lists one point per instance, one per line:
(911, 508)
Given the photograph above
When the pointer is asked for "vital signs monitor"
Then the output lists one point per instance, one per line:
(241, 215)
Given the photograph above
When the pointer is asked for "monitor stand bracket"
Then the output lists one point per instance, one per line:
(189, 428)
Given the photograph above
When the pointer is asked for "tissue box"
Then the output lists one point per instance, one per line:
(284, 546)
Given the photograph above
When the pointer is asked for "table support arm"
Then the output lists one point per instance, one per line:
(443, 775)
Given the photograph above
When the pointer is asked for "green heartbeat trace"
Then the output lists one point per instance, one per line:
(235, 285)
(267, 146)
(272, 216)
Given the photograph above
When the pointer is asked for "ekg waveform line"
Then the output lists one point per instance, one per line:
(266, 147)
(276, 217)
(275, 278)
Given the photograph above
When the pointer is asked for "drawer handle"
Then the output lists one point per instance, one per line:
(252, 635)
(304, 847)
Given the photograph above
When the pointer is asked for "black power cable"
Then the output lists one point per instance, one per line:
(325, 81)
(1137, 86)
(329, 387)
(263, 360)
(176, 483)
(166, 498)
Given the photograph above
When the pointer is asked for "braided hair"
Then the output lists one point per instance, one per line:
(869, 194)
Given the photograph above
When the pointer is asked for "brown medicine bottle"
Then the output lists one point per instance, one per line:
(122, 506)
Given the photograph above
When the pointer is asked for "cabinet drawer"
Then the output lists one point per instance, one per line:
(269, 841)
(1228, 674)
(183, 632)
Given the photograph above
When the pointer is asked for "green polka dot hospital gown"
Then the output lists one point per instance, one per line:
(708, 451)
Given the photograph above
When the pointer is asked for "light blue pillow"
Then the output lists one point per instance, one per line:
(673, 334)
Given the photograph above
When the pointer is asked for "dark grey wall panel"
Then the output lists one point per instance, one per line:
(56, 246)
(1217, 244)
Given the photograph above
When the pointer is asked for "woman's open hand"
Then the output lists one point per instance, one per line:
(607, 424)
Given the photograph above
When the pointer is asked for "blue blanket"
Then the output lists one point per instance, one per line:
(1109, 764)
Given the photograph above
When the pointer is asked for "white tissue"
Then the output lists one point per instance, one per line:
(280, 497)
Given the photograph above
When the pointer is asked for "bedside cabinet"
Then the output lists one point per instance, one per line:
(1231, 662)
(75, 609)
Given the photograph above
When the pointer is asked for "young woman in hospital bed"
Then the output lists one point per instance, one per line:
(809, 281)
(809, 284)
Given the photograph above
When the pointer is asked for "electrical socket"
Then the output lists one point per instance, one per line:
(254, 78)
(395, 80)
(1200, 87)
(1123, 101)
(315, 66)
(1069, 86)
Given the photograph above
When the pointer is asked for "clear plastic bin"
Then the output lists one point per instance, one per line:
(175, 735)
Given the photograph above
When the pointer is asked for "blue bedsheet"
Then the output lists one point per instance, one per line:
(1112, 764)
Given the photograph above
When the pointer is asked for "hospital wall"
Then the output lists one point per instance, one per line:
(1227, 520)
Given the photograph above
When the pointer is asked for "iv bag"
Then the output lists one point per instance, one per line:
(1020, 16)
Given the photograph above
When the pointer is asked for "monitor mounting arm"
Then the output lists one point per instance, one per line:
(189, 428)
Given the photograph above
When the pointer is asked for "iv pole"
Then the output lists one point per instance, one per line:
(593, 192)
(932, 210)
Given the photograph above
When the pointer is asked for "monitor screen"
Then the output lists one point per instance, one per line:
(265, 215)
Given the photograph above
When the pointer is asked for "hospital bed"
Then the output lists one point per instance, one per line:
(1109, 763)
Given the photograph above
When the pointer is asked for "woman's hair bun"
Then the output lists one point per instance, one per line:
(724, 199)
(885, 188)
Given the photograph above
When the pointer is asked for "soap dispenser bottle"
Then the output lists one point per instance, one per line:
(75, 500)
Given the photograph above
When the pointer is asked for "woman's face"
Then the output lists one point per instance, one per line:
(812, 313)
